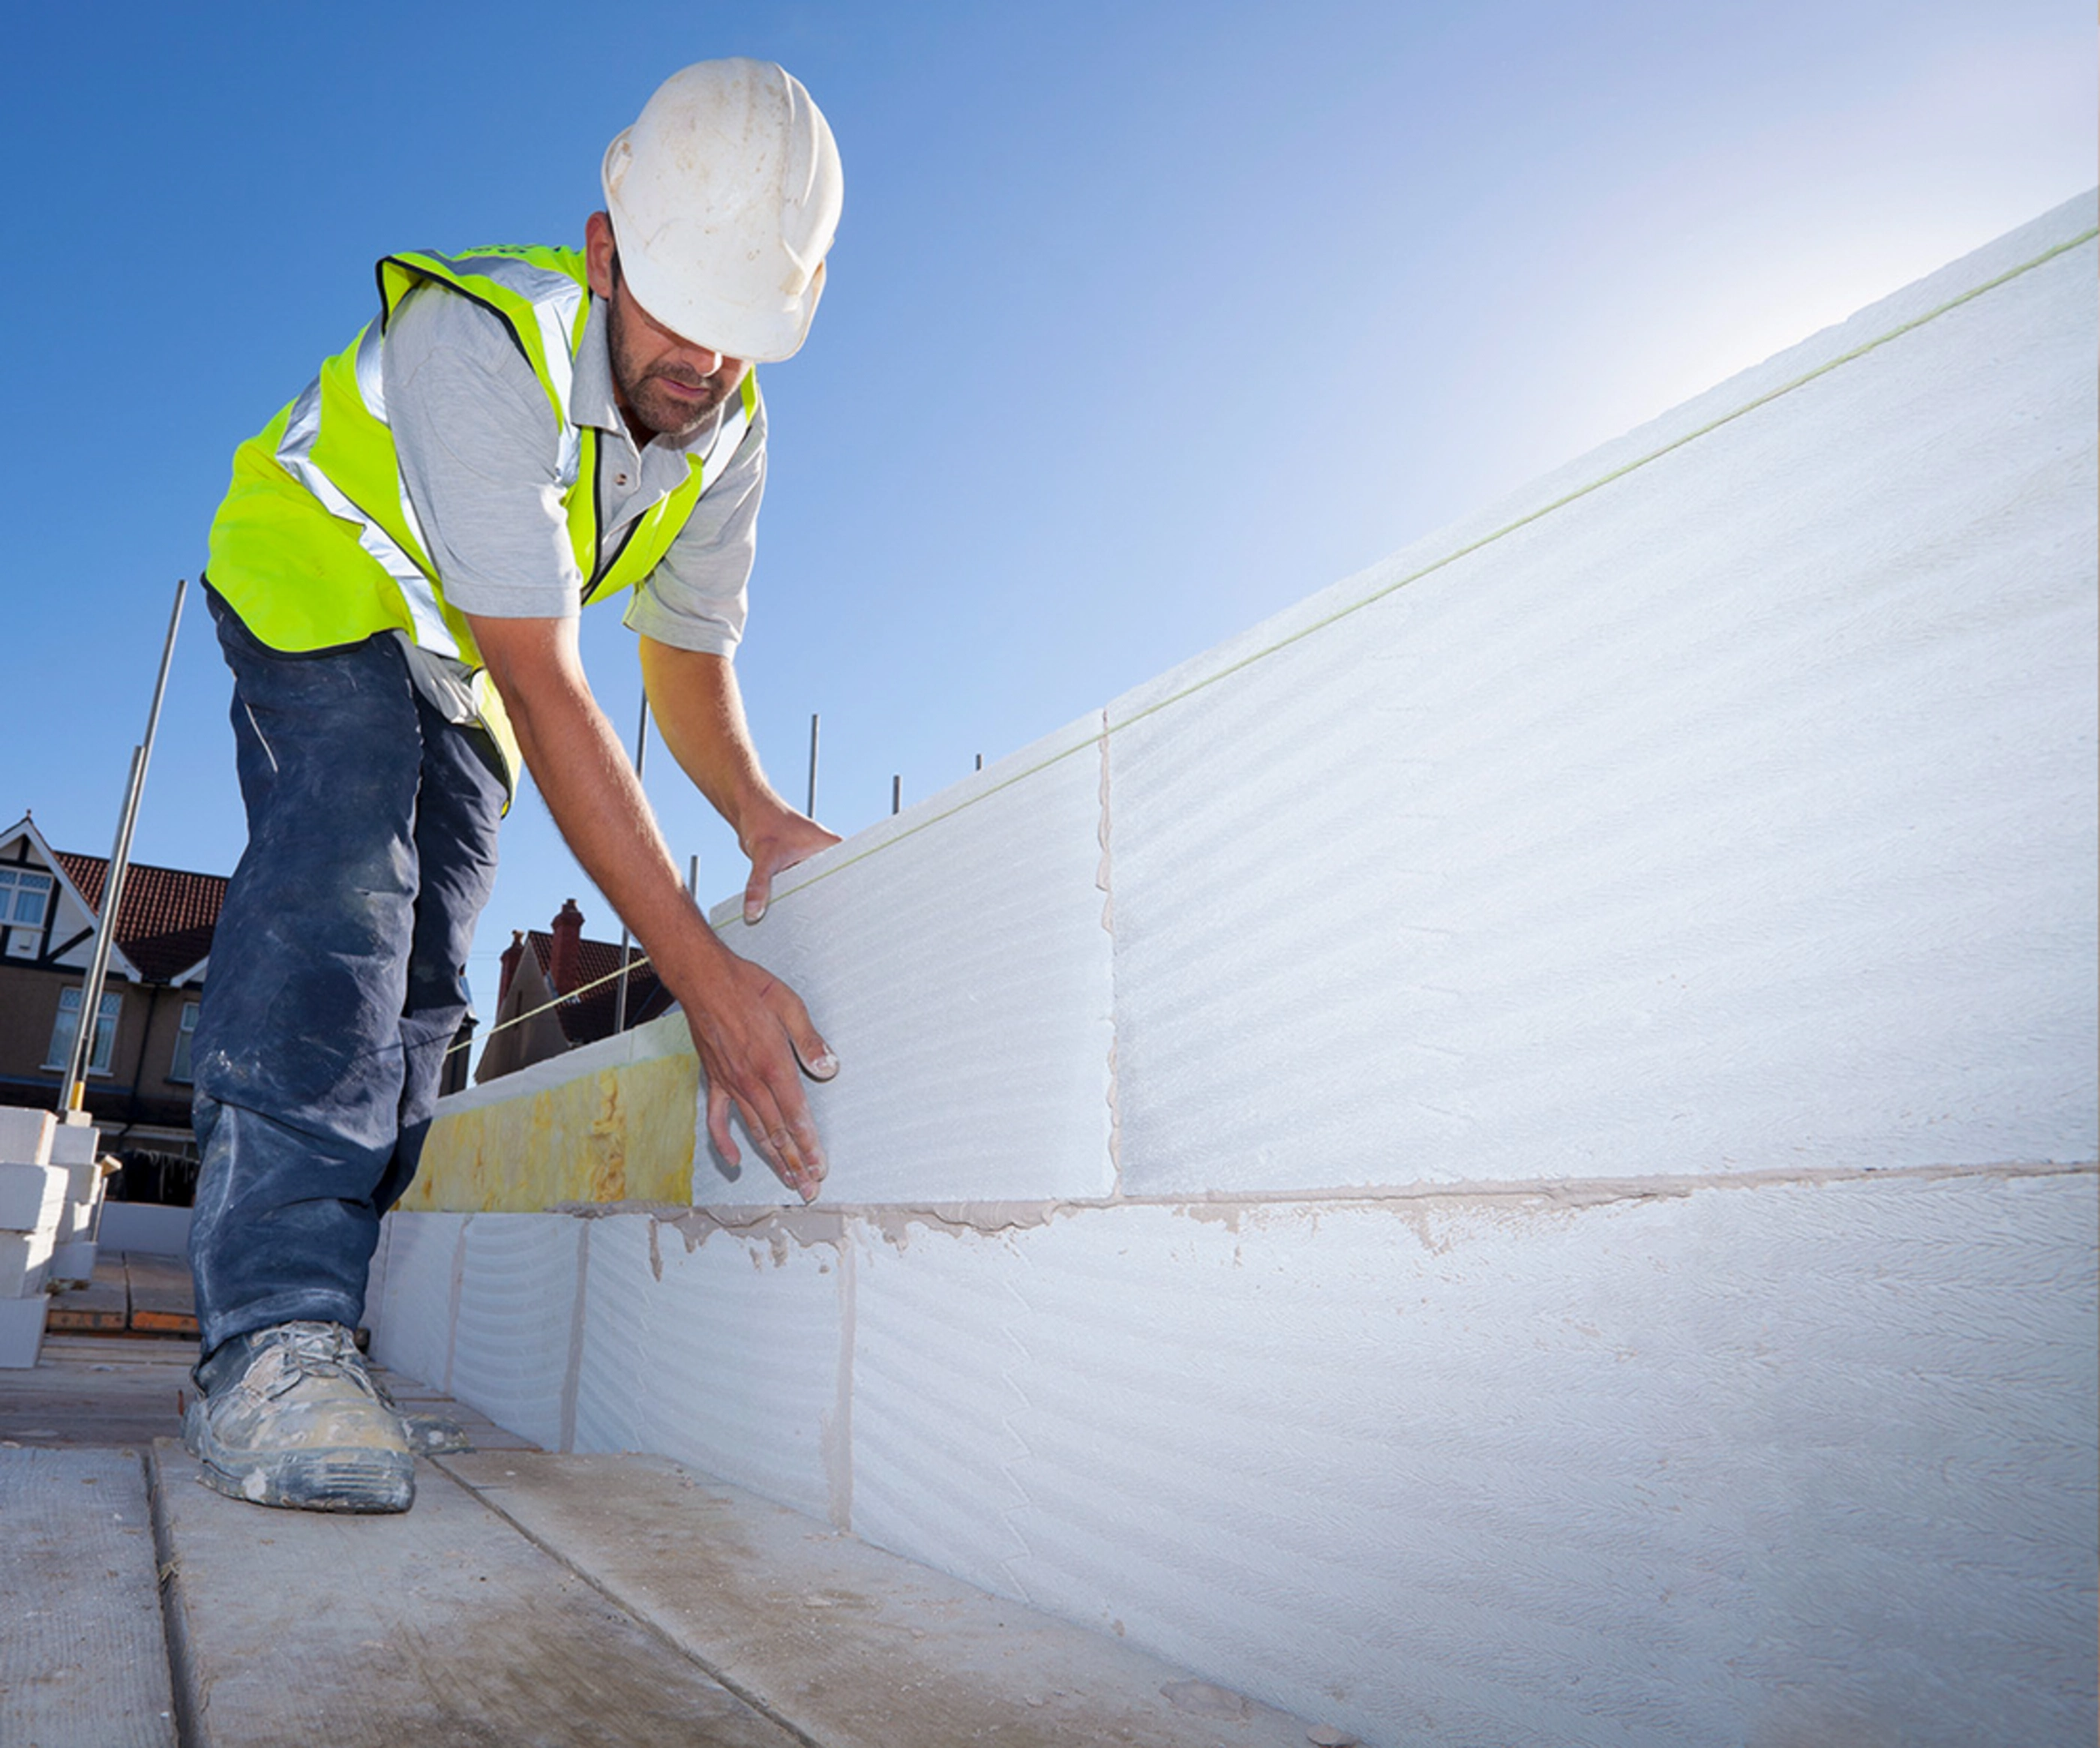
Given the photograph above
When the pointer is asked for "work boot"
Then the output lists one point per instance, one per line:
(290, 1416)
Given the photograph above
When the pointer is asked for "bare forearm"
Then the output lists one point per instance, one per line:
(695, 699)
(591, 789)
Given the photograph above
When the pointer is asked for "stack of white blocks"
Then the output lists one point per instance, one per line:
(1508, 1158)
(76, 1147)
(50, 1186)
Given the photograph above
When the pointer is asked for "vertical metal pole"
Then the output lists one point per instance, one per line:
(640, 759)
(811, 809)
(692, 877)
(73, 1090)
(980, 761)
(897, 795)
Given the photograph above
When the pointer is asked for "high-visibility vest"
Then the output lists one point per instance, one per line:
(316, 545)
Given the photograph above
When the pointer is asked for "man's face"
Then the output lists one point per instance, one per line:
(665, 386)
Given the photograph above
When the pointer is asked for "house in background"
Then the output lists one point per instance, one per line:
(139, 1073)
(559, 990)
(138, 1068)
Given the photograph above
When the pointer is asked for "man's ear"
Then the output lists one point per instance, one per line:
(599, 250)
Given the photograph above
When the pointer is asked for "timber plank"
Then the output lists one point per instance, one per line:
(82, 1662)
(443, 1625)
(97, 1390)
(852, 1647)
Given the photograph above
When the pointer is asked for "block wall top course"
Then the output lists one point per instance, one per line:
(975, 1038)
(1668, 819)
(1712, 825)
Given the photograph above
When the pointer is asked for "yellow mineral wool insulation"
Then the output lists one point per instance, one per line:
(621, 1133)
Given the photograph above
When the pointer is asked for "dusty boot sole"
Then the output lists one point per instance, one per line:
(345, 1480)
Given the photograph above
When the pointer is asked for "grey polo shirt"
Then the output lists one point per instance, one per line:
(479, 457)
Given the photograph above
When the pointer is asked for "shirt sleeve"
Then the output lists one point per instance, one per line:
(695, 598)
(479, 458)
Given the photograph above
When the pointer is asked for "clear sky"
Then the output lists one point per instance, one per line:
(1145, 320)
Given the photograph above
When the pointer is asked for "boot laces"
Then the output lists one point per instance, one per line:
(312, 1350)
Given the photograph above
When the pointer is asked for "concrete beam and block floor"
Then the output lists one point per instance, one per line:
(138, 1290)
(529, 1599)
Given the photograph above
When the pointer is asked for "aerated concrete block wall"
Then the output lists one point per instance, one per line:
(1507, 1159)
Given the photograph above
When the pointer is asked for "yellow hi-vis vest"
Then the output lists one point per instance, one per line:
(316, 545)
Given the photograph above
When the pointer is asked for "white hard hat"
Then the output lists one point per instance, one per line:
(724, 195)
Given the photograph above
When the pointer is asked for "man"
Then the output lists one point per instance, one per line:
(396, 574)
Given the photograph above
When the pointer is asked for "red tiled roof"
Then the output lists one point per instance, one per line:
(588, 1017)
(167, 916)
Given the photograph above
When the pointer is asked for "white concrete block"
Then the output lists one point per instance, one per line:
(22, 1331)
(160, 1231)
(25, 1135)
(25, 1263)
(956, 960)
(375, 1278)
(31, 1197)
(1808, 1462)
(515, 1337)
(1736, 814)
(73, 1261)
(726, 1354)
(75, 1143)
(76, 1218)
(86, 1183)
(412, 1324)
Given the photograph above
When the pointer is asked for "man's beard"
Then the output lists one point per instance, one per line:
(670, 415)
(659, 409)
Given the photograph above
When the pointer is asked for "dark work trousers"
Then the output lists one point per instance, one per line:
(338, 977)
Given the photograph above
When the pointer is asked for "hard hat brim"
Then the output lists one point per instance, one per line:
(759, 336)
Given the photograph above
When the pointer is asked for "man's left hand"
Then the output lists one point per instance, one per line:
(775, 841)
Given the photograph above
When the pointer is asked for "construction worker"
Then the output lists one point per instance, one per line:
(396, 574)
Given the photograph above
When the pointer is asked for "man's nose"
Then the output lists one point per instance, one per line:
(702, 360)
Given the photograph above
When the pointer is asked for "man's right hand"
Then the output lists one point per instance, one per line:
(755, 1041)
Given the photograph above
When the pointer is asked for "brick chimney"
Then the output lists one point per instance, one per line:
(565, 958)
(511, 955)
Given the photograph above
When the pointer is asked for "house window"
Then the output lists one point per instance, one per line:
(25, 895)
(68, 1023)
(179, 1068)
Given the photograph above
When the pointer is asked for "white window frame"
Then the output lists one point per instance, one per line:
(68, 1024)
(16, 884)
(180, 1066)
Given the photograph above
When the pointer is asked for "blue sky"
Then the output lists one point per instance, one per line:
(1144, 321)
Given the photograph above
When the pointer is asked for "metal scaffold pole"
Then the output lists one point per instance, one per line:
(811, 809)
(73, 1090)
(641, 758)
